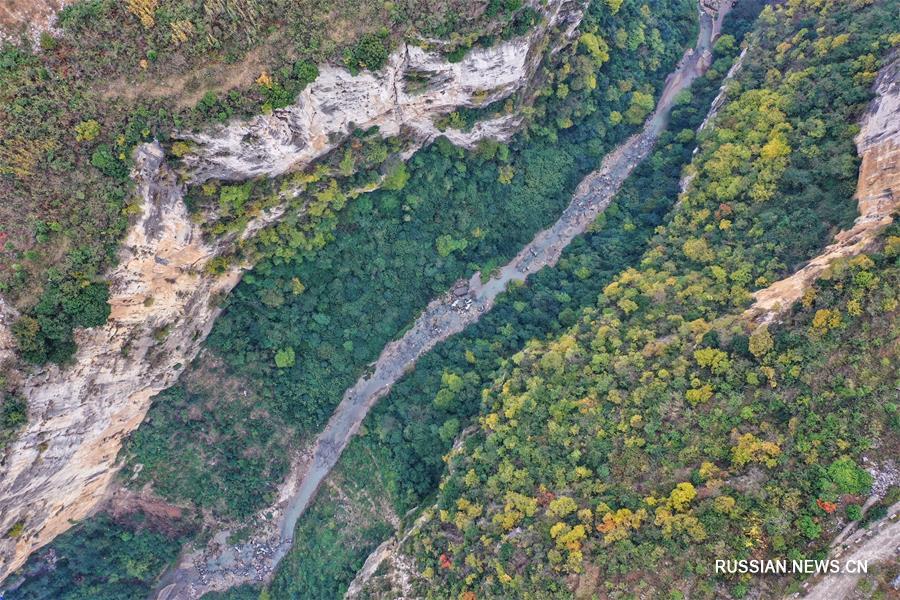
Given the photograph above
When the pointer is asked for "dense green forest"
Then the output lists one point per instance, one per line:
(638, 502)
(207, 444)
(662, 429)
(115, 74)
(303, 329)
(132, 550)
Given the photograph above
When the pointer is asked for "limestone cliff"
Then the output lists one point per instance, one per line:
(877, 195)
(59, 467)
(415, 87)
(163, 300)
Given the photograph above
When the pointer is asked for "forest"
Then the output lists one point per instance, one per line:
(661, 427)
(608, 426)
(69, 122)
(410, 431)
(229, 459)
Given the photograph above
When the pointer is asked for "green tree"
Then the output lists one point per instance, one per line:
(761, 342)
(285, 358)
(87, 131)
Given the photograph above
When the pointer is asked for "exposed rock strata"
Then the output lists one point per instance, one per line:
(59, 468)
(877, 195)
(415, 87)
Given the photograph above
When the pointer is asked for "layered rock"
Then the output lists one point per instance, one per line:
(163, 299)
(60, 466)
(877, 196)
(415, 87)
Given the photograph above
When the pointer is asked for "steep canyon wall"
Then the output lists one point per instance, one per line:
(163, 300)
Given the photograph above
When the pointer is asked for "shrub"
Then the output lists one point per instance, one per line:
(849, 477)
(107, 163)
(87, 131)
(371, 52)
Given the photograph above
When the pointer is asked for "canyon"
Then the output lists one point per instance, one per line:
(221, 565)
(388, 572)
(164, 301)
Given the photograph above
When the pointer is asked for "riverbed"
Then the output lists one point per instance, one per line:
(222, 565)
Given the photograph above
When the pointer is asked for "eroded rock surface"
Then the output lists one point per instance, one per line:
(415, 87)
(7, 344)
(60, 466)
(162, 298)
(877, 195)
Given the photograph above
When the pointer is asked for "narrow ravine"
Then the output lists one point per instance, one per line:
(222, 565)
(60, 465)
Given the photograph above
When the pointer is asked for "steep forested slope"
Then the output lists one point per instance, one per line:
(303, 325)
(171, 271)
(661, 430)
(394, 466)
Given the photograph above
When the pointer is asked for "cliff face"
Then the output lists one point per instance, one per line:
(59, 467)
(414, 88)
(162, 299)
(877, 195)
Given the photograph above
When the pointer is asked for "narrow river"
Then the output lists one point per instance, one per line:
(222, 565)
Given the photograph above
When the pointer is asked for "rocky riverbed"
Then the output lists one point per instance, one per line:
(217, 566)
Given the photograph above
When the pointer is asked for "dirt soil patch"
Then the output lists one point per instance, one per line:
(156, 513)
(186, 89)
(27, 16)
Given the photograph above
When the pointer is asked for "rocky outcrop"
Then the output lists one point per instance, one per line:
(877, 195)
(386, 568)
(415, 87)
(163, 299)
(60, 466)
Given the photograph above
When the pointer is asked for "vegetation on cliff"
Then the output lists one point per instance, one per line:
(131, 548)
(661, 429)
(116, 74)
(416, 424)
(199, 447)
